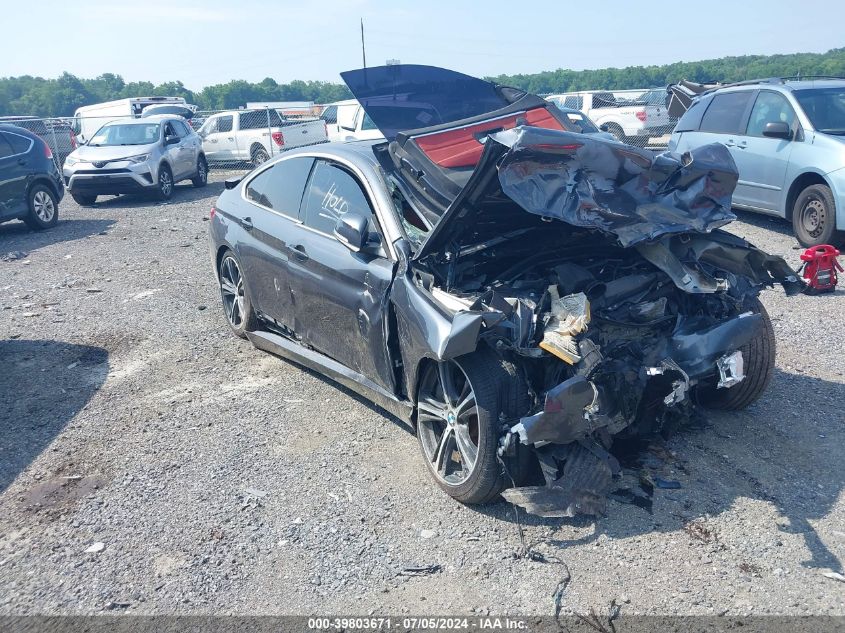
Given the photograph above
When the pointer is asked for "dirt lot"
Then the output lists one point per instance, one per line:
(150, 462)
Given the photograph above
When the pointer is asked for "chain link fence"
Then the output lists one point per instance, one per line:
(238, 140)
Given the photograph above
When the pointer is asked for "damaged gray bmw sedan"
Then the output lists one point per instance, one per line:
(522, 294)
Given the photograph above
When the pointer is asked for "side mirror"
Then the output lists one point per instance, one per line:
(171, 140)
(351, 230)
(603, 127)
(777, 129)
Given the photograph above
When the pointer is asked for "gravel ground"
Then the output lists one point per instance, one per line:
(150, 462)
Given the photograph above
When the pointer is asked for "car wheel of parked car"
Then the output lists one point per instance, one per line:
(165, 183)
(814, 216)
(259, 156)
(201, 179)
(236, 304)
(43, 208)
(616, 131)
(758, 357)
(84, 199)
(459, 408)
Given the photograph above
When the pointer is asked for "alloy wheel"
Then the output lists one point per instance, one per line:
(447, 422)
(165, 182)
(44, 206)
(232, 291)
(202, 171)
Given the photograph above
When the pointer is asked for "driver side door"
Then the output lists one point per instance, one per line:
(340, 296)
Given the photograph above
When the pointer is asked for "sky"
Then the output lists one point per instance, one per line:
(202, 42)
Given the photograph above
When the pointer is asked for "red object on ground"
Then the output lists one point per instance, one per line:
(820, 268)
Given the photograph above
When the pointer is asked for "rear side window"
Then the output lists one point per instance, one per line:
(691, 119)
(280, 187)
(329, 115)
(332, 192)
(181, 128)
(5, 148)
(224, 124)
(20, 144)
(573, 103)
(725, 114)
(258, 119)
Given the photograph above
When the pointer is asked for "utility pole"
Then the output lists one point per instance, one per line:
(363, 49)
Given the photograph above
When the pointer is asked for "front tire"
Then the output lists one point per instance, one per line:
(758, 357)
(814, 217)
(460, 411)
(84, 199)
(201, 179)
(164, 188)
(236, 304)
(43, 208)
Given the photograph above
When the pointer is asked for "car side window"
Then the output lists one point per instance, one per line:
(724, 116)
(329, 115)
(367, 123)
(332, 192)
(280, 187)
(169, 130)
(20, 144)
(224, 124)
(209, 127)
(181, 129)
(5, 147)
(770, 107)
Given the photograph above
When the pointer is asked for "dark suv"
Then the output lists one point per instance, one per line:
(30, 183)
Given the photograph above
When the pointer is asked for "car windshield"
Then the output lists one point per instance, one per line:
(126, 134)
(825, 107)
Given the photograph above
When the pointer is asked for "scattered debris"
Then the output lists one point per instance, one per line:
(73, 364)
(118, 605)
(667, 484)
(750, 569)
(427, 533)
(834, 575)
(699, 531)
(562, 584)
(95, 548)
(255, 492)
(30, 314)
(13, 255)
(420, 570)
(216, 534)
(93, 290)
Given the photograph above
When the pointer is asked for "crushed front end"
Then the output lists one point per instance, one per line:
(601, 277)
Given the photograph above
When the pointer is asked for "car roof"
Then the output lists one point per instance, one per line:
(781, 85)
(17, 129)
(353, 151)
(155, 118)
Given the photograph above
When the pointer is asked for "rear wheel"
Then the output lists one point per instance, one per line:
(43, 208)
(460, 412)
(814, 216)
(201, 179)
(236, 304)
(84, 199)
(259, 156)
(758, 357)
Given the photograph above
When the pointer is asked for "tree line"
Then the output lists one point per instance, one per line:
(37, 96)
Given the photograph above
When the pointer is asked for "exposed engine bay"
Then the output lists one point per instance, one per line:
(613, 332)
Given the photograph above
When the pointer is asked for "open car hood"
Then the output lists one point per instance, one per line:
(586, 181)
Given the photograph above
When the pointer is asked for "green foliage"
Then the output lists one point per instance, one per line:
(725, 69)
(61, 96)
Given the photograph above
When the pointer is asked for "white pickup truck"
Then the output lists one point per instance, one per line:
(255, 135)
(347, 121)
(626, 120)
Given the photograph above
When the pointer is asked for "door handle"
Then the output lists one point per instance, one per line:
(247, 223)
(730, 143)
(21, 161)
(299, 252)
(230, 138)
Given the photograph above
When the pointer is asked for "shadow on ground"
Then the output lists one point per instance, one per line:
(183, 192)
(43, 385)
(785, 450)
(17, 236)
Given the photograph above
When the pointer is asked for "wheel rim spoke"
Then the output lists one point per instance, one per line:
(431, 409)
(447, 382)
(466, 405)
(445, 446)
(469, 451)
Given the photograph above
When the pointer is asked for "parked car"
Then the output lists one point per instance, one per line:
(626, 121)
(55, 132)
(30, 183)
(255, 135)
(449, 272)
(148, 155)
(347, 121)
(88, 119)
(787, 138)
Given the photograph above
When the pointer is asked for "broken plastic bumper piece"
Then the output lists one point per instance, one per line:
(731, 370)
